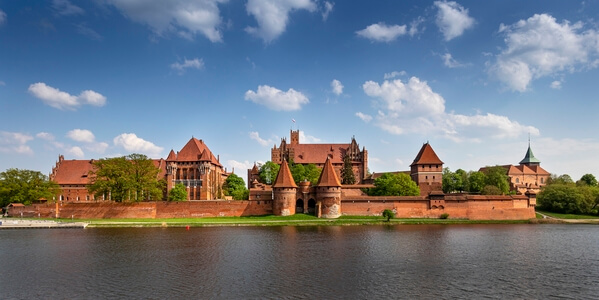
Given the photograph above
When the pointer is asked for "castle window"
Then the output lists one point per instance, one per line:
(425, 177)
(542, 180)
(517, 180)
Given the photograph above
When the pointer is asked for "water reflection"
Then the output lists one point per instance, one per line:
(423, 261)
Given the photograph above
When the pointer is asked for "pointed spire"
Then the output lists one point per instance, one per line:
(328, 177)
(529, 158)
(426, 156)
(171, 155)
(284, 177)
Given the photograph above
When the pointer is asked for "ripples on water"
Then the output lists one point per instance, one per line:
(345, 262)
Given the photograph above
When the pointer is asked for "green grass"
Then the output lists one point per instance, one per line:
(566, 216)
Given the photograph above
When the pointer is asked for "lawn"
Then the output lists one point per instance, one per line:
(565, 216)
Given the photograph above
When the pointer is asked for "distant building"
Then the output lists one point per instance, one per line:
(194, 166)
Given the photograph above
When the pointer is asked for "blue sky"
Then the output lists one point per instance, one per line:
(92, 79)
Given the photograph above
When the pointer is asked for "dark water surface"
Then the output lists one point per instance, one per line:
(340, 262)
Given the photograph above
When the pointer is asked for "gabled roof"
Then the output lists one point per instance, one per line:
(72, 172)
(171, 155)
(529, 158)
(318, 153)
(427, 156)
(255, 169)
(328, 177)
(195, 150)
(284, 178)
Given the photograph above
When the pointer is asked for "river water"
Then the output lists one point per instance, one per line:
(330, 262)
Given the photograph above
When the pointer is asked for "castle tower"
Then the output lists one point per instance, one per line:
(294, 137)
(529, 158)
(284, 192)
(427, 170)
(328, 193)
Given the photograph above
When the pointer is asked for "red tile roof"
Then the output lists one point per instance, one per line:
(328, 177)
(195, 150)
(284, 178)
(318, 153)
(72, 172)
(427, 156)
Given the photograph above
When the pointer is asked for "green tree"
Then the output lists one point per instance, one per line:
(390, 184)
(561, 179)
(25, 186)
(476, 182)
(347, 172)
(463, 180)
(178, 193)
(588, 179)
(126, 178)
(569, 199)
(268, 172)
(452, 182)
(491, 190)
(497, 176)
(389, 214)
(309, 172)
(235, 186)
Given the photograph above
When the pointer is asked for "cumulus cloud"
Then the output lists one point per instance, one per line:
(239, 167)
(366, 118)
(75, 151)
(381, 32)
(184, 17)
(273, 15)
(336, 87)
(327, 9)
(134, 144)
(413, 107)
(81, 135)
(15, 142)
(45, 136)
(452, 19)
(556, 85)
(196, 63)
(451, 62)
(394, 74)
(63, 100)
(276, 99)
(254, 135)
(540, 46)
(66, 8)
(2, 17)
(308, 139)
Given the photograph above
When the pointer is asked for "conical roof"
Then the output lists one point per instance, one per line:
(171, 155)
(529, 158)
(328, 177)
(284, 178)
(196, 150)
(427, 155)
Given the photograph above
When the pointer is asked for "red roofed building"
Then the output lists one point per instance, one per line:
(427, 170)
(318, 153)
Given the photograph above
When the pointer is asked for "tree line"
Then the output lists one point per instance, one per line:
(563, 195)
(490, 181)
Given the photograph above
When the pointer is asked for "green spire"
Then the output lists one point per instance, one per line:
(529, 158)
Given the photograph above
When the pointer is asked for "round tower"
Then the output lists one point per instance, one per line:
(328, 193)
(284, 192)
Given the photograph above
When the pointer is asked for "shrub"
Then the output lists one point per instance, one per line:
(389, 214)
(444, 216)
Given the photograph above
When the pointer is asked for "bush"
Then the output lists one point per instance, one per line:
(444, 216)
(389, 214)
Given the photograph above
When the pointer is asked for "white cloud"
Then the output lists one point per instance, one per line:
(196, 63)
(366, 118)
(308, 139)
(394, 74)
(97, 147)
(2, 17)
(45, 136)
(450, 62)
(254, 135)
(382, 33)
(452, 19)
(81, 135)
(414, 26)
(15, 142)
(327, 9)
(76, 152)
(276, 99)
(540, 47)
(185, 17)
(413, 107)
(336, 87)
(132, 143)
(556, 85)
(273, 15)
(62, 100)
(66, 8)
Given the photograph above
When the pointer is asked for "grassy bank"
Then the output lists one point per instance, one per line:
(295, 220)
(566, 216)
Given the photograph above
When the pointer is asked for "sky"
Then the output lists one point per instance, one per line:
(475, 79)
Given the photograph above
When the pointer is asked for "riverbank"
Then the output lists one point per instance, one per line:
(10, 223)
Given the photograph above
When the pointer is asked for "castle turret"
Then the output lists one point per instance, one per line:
(427, 170)
(284, 192)
(328, 193)
(529, 158)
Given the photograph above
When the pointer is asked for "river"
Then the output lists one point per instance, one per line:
(520, 261)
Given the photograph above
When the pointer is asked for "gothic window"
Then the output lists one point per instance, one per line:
(517, 180)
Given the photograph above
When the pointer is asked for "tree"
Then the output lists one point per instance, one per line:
(308, 172)
(389, 214)
(347, 172)
(491, 190)
(569, 199)
(588, 179)
(497, 176)
(178, 193)
(476, 182)
(235, 186)
(561, 179)
(390, 184)
(452, 181)
(25, 186)
(463, 179)
(126, 178)
(268, 172)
